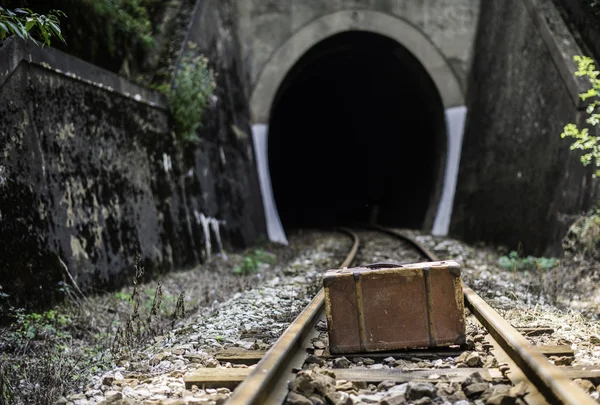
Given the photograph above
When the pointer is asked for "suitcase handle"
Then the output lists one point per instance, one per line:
(383, 265)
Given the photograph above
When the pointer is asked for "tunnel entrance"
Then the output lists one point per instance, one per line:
(357, 133)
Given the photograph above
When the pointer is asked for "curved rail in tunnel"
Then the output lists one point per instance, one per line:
(375, 92)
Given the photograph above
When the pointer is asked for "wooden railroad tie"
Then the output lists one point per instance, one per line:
(231, 377)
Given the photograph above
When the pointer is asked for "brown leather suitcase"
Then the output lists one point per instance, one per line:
(387, 306)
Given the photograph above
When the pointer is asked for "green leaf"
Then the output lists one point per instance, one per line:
(55, 27)
(15, 29)
(29, 24)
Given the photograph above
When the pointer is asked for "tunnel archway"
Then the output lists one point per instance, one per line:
(273, 71)
(357, 133)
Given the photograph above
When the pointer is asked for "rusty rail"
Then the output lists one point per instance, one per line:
(267, 384)
(547, 378)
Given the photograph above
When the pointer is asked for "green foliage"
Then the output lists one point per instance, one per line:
(584, 141)
(23, 22)
(40, 326)
(190, 95)
(251, 261)
(514, 262)
(124, 22)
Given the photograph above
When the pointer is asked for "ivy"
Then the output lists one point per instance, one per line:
(22, 22)
(583, 140)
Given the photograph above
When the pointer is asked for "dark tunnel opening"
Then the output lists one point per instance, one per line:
(357, 133)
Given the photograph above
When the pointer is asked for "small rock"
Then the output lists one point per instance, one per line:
(312, 359)
(158, 358)
(220, 399)
(302, 384)
(418, 390)
(473, 360)
(317, 400)
(341, 362)
(475, 390)
(365, 361)
(317, 344)
(377, 366)
(223, 390)
(113, 396)
(323, 384)
(75, 397)
(108, 379)
(423, 401)
(385, 385)
(370, 399)
(473, 379)
(61, 401)
(562, 361)
(343, 385)
(595, 340)
(211, 363)
(389, 360)
(586, 385)
(394, 399)
(399, 389)
(294, 398)
(119, 376)
(93, 393)
(339, 398)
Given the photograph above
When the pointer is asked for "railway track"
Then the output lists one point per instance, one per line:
(527, 367)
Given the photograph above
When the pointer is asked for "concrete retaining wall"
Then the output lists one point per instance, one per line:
(91, 174)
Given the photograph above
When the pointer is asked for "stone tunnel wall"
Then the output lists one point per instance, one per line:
(265, 25)
(91, 174)
(518, 182)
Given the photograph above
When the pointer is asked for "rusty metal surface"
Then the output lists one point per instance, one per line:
(554, 385)
(394, 307)
(267, 384)
(548, 379)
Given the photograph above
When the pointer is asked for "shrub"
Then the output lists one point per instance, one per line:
(251, 262)
(584, 141)
(190, 95)
(22, 22)
(514, 262)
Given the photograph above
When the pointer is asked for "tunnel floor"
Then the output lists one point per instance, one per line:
(356, 134)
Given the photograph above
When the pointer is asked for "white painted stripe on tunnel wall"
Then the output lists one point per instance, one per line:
(274, 228)
(455, 125)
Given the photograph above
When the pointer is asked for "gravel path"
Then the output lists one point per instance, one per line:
(253, 319)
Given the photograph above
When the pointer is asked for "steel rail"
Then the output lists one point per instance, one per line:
(547, 378)
(267, 378)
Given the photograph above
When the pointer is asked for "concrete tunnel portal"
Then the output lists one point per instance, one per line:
(357, 132)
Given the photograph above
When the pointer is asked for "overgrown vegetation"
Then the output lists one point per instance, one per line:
(250, 262)
(588, 143)
(26, 24)
(190, 95)
(514, 262)
(45, 355)
(55, 353)
(114, 34)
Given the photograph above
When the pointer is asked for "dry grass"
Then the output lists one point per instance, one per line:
(42, 359)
